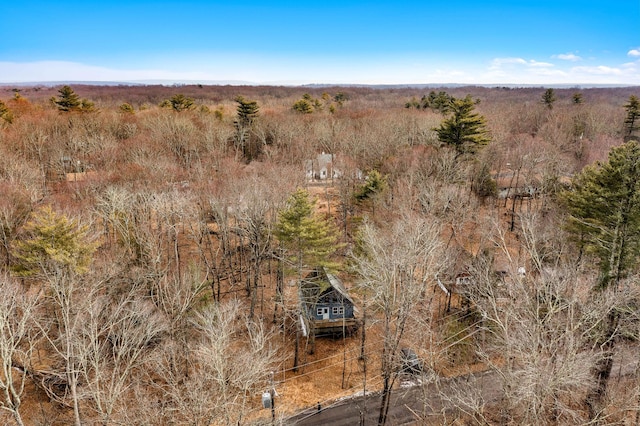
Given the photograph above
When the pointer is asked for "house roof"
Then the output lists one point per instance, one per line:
(322, 282)
(337, 284)
(323, 160)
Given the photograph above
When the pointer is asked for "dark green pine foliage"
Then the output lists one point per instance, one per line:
(303, 106)
(246, 114)
(577, 99)
(375, 184)
(5, 113)
(68, 100)
(548, 98)
(180, 102)
(412, 103)
(632, 121)
(604, 212)
(247, 111)
(340, 98)
(439, 102)
(465, 130)
(604, 218)
(308, 239)
(127, 108)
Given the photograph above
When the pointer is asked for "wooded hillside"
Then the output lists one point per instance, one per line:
(153, 241)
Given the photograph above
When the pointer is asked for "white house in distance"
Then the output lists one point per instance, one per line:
(322, 167)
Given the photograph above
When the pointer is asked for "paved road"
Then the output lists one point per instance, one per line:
(407, 405)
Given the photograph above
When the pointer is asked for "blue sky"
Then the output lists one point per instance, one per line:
(287, 42)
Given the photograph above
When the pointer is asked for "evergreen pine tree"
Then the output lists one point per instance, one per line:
(576, 98)
(69, 100)
(604, 218)
(439, 102)
(548, 98)
(604, 211)
(5, 113)
(127, 108)
(246, 114)
(180, 102)
(54, 245)
(308, 239)
(340, 98)
(464, 130)
(375, 184)
(303, 106)
(247, 111)
(632, 121)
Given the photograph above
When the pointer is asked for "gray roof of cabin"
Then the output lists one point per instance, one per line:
(337, 284)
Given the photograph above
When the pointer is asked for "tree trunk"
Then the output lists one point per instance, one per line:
(637, 423)
(296, 350)
(18, 418)
(74, 396)
(363, 336)
(279, 289)
(386, 400)
(603, 369)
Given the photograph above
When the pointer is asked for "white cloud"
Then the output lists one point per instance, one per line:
(516, 70)
(628, 73)
(260, 70)
(537, 64)
(599, 70)
(634, 53)
(498, 63)
(567, 57)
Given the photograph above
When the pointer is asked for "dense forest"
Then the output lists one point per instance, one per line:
(156, 244)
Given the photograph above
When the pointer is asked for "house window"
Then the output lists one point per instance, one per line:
(337, 310)
(319, 312)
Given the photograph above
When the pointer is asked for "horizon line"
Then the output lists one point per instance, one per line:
(169, 83)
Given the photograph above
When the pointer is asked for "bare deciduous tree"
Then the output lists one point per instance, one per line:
(537, 330)
(176, 298)
(395, 266)
(57, 252)
(120, 335)
(231, 366)
(18, 312)
(255, 212)
(15, 207)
